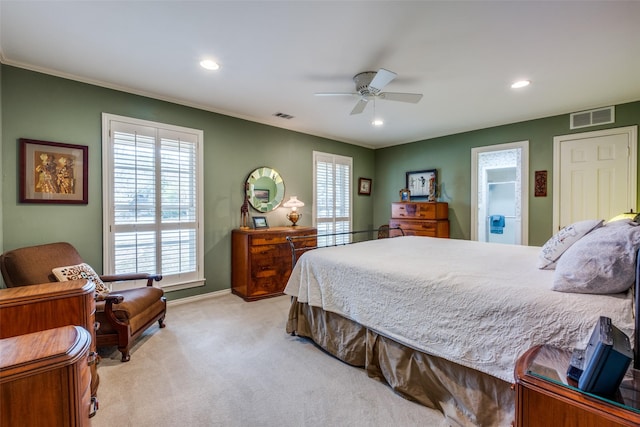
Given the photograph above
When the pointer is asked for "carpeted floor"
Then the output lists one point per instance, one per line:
(225, 362)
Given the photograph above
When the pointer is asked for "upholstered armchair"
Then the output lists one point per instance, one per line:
(122, 316)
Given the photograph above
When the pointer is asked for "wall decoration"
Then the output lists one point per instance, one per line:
(405, 195)
(53, 172)
(540, 184)
(266, 189)
(364, 186)
(423, 185)
(244, 209)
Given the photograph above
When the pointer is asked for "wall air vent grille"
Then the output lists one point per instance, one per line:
(600, 116)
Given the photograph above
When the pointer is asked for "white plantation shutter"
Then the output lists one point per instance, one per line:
(152, 200)
(332, 194)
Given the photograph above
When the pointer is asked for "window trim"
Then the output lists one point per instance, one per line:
(107, 194)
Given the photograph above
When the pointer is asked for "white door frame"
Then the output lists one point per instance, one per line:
(524, 196)
(632, 134)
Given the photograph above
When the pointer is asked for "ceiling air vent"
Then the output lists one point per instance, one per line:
(599, 116)
(284, 116)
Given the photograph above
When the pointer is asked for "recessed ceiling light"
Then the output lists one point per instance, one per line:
(520, 83)
(377, 122)
(209, 64)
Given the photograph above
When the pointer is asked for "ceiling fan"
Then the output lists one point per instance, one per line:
(369, 85)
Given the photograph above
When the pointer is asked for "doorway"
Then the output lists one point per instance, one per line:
(499, 193)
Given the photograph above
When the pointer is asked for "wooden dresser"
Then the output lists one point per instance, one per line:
(429, 219)
(45, 378)
(261, 260)
(27, 309)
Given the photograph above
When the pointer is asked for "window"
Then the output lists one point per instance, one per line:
(332, 195)
(152, 196)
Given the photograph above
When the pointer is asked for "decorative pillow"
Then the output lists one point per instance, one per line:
(81, 271)
(602, 262)
(562, 240)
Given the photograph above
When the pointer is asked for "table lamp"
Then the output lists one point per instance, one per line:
(294, 204)
(633, 216)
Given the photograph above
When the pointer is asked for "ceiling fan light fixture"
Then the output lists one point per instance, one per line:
(209, 64)
(377, 122)
(520, 84)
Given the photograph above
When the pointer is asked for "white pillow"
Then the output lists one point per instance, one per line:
(562, 240)
(81, 271)
(602, 262)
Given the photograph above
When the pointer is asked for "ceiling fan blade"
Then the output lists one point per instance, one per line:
(380, 80)
(336, 94)
(359, 108)
(402, 97)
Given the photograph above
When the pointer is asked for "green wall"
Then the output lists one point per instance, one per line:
(42, 107)
(451, 156)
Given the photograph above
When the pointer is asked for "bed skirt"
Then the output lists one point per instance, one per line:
(466, 397)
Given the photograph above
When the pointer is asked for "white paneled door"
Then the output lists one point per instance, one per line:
(595, 175)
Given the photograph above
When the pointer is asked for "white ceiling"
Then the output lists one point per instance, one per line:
(274, 55)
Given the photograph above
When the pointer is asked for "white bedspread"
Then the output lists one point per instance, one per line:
(480, 305)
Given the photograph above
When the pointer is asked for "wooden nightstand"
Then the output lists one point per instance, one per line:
(545, 397)
(261, 260)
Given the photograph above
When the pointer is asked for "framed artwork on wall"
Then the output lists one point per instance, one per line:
(540, 184)
(423, 184)
(364, 186)
(53, 172)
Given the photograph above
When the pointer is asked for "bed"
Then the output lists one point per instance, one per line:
(442, 321)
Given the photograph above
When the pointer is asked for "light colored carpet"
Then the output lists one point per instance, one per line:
(225, 362)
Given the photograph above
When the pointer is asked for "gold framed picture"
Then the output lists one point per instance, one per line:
(53, 172)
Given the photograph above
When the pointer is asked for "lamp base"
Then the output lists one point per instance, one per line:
(293, 216)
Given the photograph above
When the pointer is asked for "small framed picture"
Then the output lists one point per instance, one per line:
(260, 222)
(423, 184)
(364, 186)
(405, 195)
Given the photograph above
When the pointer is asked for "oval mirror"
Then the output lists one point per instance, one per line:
(265, 189)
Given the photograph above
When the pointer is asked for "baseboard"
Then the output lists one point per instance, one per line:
(199, 297)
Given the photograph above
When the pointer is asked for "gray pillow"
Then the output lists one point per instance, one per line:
(602, 262)
(562, 240)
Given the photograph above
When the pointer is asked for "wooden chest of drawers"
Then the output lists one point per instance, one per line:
(420, 218)
(27, 309)
(45, 378)
(261, 260)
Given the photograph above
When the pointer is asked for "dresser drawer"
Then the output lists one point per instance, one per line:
(420, 210)
(264, 286)
(268, 239)
(265, 250)
(428, 228)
